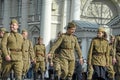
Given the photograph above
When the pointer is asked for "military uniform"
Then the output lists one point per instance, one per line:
(98, 56)
(40, 54)
(117, 65)
(56, 64)
(3, 30)
(90, 72)
(110, 68)
(28, 55)
(12, 46)
(67, 44)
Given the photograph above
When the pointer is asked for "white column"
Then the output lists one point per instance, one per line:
(75, 10)
(84, 48)
(24, 14)
(64, 16)
(6, 15)
(45, 28)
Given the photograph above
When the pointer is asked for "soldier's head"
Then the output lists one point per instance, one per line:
(112, 38)
(24, 33)
(14, 25)
(71, 27)
(40, 40)
(2, 31)
(59, 34)
(101, 32)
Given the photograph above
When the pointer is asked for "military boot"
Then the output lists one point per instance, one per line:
(111, 79)
(35, 75)
(42, 76)
(69, 78)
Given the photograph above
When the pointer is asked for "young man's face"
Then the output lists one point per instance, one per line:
(24, 34)
(100, 34)
(1, 33)
(40, 41)
(13, 27)
(71, 30)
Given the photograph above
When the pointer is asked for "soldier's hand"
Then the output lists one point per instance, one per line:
(81, 61)
(114, 60)
(51, 63)
(49, 55)
(7, 58)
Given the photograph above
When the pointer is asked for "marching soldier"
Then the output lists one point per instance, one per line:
(112, 59)
(67, 43)
(40, 56)
(98, 55)
(117, 65)
(2, 32)
(28, 53)
(56, 61)
(12, 52)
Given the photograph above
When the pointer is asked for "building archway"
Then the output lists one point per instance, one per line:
(99, 11)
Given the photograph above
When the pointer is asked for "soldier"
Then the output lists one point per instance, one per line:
(117, 65)
(67, 43)
(12, 52)
(112, 59)
(28, 53)
(40, 56)
(98, 55)
(90, 72)
(2, 32)
(56, 61)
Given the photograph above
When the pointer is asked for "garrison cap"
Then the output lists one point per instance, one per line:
(24, 30)
(2, 29)
(39, 38)
(14, 21)
(71, 25)
(101, 29)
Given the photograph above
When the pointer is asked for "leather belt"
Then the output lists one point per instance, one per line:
(41, 54)
(68, 48)
(16, 50)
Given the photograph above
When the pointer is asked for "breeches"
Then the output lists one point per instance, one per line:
(41, 65)
(67, 68)
(26, 66)
(16, 66)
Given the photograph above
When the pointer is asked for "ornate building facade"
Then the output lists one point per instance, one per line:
(47, 17)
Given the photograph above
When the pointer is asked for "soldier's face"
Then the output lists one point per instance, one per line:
(100, 34)
(24, 34)
(40, 41)
(1, 33)
(13, 27)
(71, 30)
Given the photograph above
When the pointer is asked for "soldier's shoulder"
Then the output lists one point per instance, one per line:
(95, 38)
(7, 34)
(43, 44)
(117, 37)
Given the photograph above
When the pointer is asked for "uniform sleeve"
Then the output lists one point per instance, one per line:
(34, 51)
(107, 54)
(56, 44)
(77, 48)
(45, 51)
(31, 51)
(4, 45)
(90, 53)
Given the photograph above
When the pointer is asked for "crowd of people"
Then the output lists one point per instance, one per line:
(20, 59)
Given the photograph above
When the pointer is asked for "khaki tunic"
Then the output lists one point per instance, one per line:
(40, 53)
(110, 68)
(28, 55)
(12, 45)
(0, 55)
(99, 52)
(117, 47)
(67, 44)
